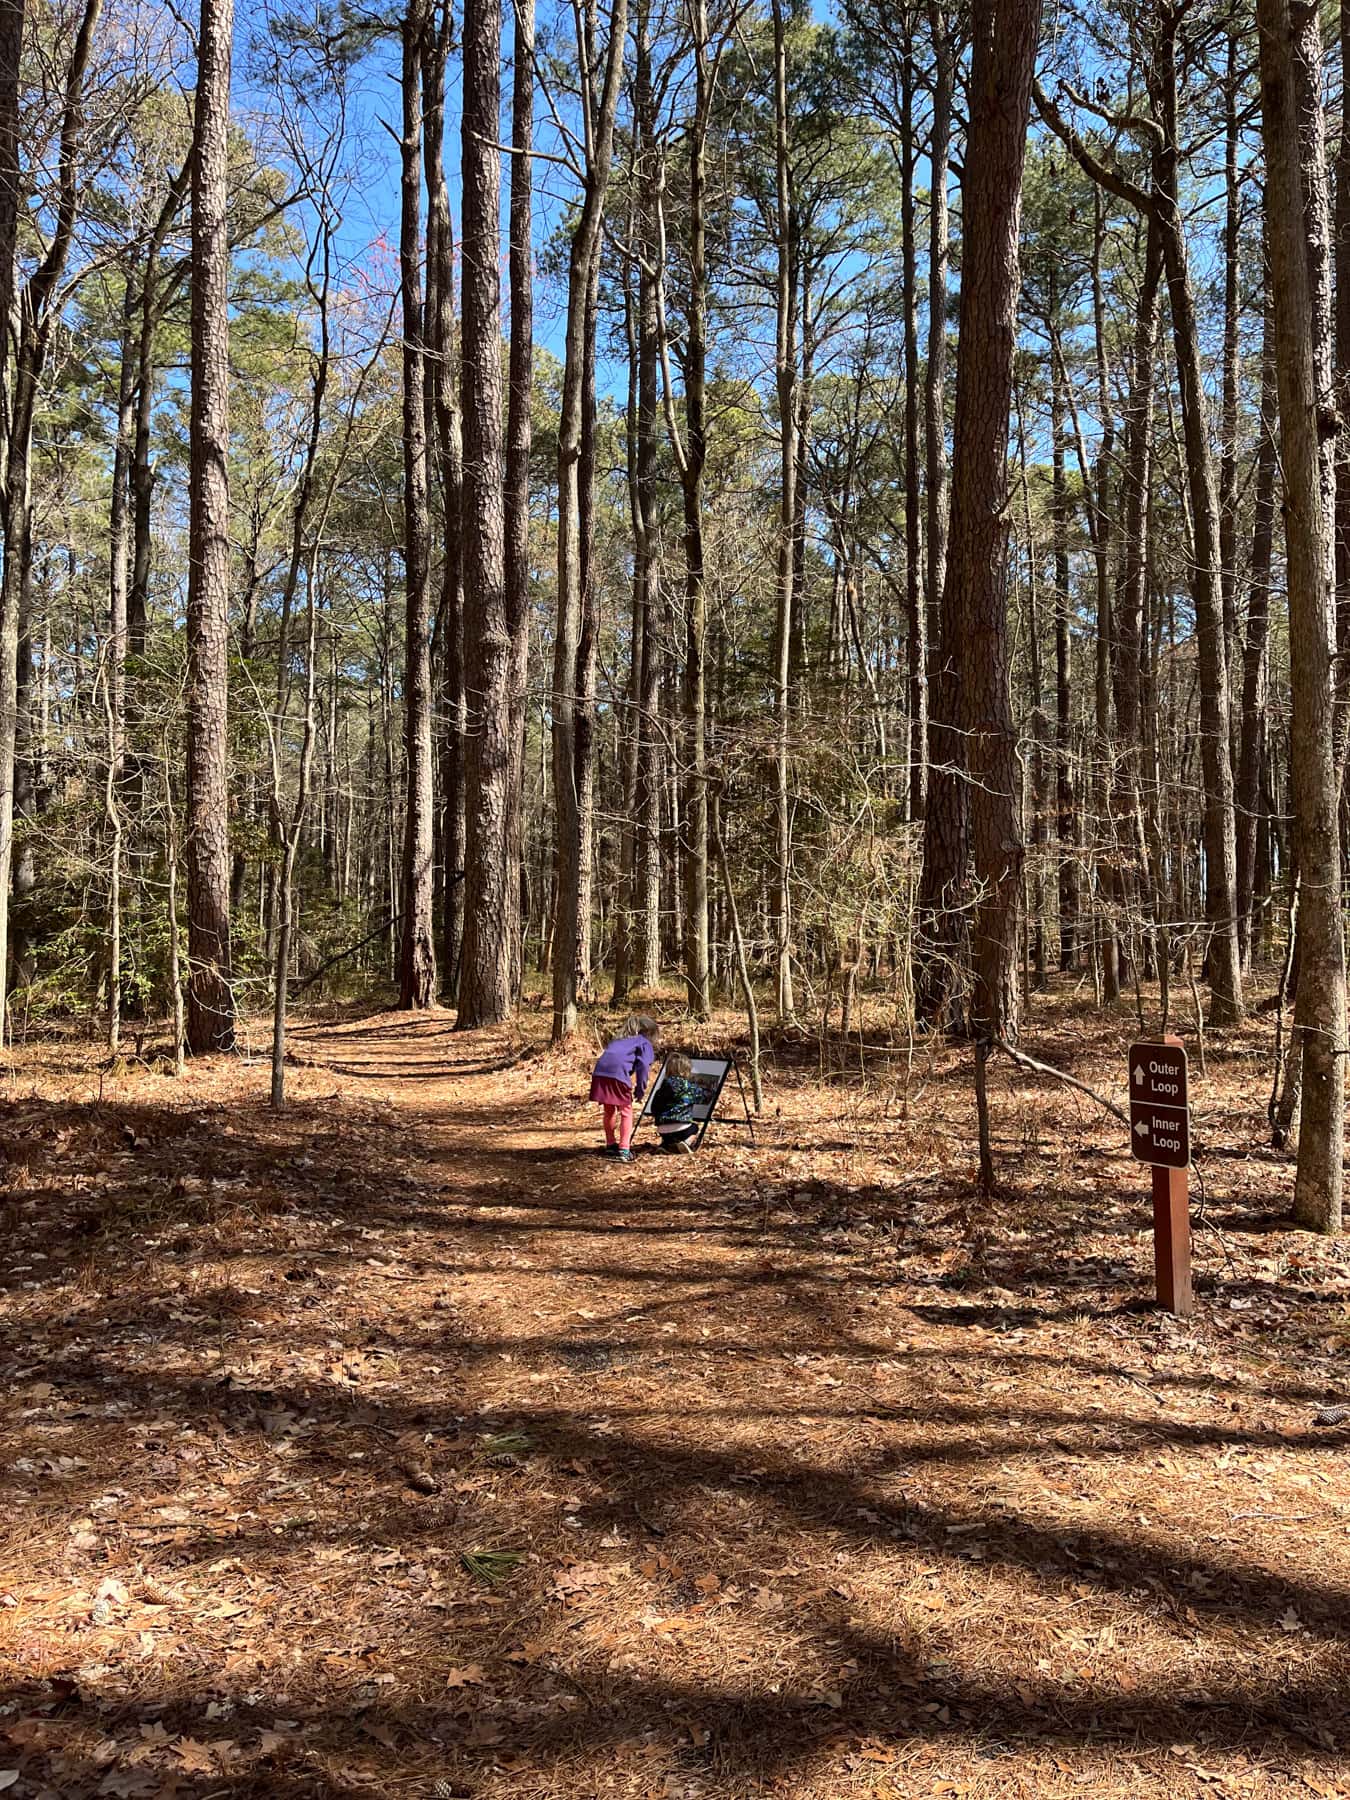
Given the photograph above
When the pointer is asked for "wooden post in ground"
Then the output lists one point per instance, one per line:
(1160, 1134)
(1172, 1240)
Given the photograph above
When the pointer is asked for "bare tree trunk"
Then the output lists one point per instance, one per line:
(916, 646)
(696, 602)
(1342, 373)
(1129, 626)
(447, 457)
(113, 813)
(1101, 522)
(16, 492)
(417, 958)
(1066, 832)
(935, 417)
(171, 868)
(785, 365)
(485, 986)
(643, 925)
(12, 15)
(1225, 975)
(1253, 730)
(1040, 799)
(629, 723)
(570, 650)
(210, 993)
(518, 432)
(1005, 35)
(290, 832)
(1231, 370)
(689, 448)
(1299, 237)
(738, 948)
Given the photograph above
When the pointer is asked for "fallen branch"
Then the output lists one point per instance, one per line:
(1024, 1061)
(342, 955)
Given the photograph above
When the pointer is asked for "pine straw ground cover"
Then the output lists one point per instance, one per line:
(397, 1445)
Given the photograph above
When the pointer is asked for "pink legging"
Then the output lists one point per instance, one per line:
(622, 1117)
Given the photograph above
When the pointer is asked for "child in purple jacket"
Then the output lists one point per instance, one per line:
(620, 1077)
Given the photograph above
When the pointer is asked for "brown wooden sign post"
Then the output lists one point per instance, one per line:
(1160, 1135)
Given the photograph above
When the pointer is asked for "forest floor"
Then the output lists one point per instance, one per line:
(397, 1444)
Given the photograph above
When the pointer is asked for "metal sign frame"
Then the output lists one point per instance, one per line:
(727, 1064)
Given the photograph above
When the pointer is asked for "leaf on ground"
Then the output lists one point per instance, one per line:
(195, 1756)
(577, 1578)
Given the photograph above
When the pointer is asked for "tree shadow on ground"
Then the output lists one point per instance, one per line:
(282, 1211)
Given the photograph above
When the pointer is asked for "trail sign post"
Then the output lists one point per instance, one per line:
(1160, 1135)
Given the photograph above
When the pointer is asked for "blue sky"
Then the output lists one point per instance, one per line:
(371, 198)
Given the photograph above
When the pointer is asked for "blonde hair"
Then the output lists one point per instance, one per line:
(641, 1025)
(679, 1065)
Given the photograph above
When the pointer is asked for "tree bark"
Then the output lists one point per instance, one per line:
(1225, 975)
(447, 456)
(934, 409)
(1299, 237)
(785, 369)
(1006, 35)
(1066, 815)
(210, 995)
(1252, 740)
(485, 986)
(520, 396)
(12, 14)
(417, 956)
(696, 602)
(571, 652)
(916, 645)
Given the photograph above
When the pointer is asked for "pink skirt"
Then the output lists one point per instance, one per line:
(605, 1092)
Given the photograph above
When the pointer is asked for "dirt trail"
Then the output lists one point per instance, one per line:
(804, 1479)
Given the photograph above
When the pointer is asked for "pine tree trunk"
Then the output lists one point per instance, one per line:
(573, 641)
(785, 365)
(1342, 375)
(935, 414)
(691, 481)
(1005, 36)
(210, 996)
(1066, 817)
(1252, 740)
(1100, 514)
(447, 456)
(916, 645)
(485, 985)
(12, 13)
(643, 924)
(1129, 627)
(520, 397)
(1299, 237)
(417, 956)
(1225, 975)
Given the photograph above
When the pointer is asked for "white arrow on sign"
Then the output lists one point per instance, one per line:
(1141, 1129)
(1138, 1075)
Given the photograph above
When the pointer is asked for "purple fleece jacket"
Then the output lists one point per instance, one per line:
(626, 1059)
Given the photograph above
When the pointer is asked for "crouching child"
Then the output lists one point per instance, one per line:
(674, 1102)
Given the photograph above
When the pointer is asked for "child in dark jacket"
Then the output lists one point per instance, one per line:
(674, 1102)
(620, 1077)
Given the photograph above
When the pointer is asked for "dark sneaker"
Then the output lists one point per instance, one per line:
(610, 1150)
